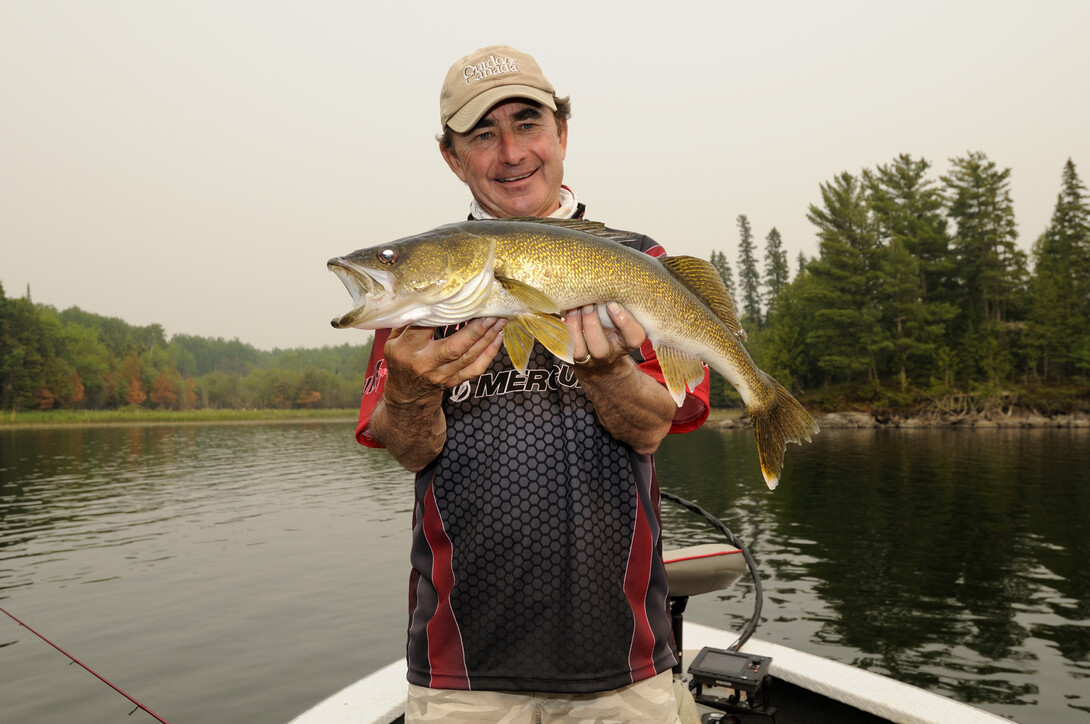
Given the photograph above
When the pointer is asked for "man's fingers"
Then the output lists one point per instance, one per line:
(469, 351)
(631, 331)
(463, 341)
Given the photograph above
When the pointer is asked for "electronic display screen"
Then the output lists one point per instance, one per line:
(722, 663)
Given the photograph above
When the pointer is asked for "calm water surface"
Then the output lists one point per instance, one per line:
(243, 572)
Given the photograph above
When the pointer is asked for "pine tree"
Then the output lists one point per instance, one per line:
(990, 268)
(907, 210)
(1060, 314)
(848, 284)
(749, 280)
(719, 261)
(776, 269)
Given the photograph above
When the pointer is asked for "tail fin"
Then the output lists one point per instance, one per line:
(783, 421)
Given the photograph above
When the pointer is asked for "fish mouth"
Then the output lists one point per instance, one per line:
(361, 283)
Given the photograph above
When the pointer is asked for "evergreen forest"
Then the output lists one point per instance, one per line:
(919, 299)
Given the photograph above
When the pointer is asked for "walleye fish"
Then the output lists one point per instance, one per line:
(532, 270)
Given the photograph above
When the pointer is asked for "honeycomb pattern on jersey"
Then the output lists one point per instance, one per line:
(539, 502)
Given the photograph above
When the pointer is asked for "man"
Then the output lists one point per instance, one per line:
(537, 590)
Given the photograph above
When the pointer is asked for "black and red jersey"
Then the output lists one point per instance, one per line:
(536, 555)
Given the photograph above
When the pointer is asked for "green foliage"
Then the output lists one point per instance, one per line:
(749, 279)
(896, 310)
(777, 273)
(1060, 298)
(918, 291)
(719, 261)
(79, 360)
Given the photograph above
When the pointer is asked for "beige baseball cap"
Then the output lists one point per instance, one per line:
(485, 77)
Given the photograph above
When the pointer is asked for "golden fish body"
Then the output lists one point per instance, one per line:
(530, 271)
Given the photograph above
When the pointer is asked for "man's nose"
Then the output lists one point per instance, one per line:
(511, 151)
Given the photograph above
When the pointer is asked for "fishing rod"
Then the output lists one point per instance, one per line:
(85, 667)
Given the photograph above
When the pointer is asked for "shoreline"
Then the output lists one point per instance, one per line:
(1013, 418)
(721, 419)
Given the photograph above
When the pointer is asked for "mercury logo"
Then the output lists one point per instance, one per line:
(509, 381)
(487, 69)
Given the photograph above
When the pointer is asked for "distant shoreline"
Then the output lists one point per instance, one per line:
(723, 419)
(860, 420)
(105, 418)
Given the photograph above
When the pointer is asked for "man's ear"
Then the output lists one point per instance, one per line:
(453, 161)
(563, 138)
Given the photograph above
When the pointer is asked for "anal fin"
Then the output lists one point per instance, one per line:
(680, 370)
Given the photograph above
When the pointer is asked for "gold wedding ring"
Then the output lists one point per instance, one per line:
(584, 360)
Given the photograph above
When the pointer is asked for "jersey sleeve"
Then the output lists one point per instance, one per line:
(373, 385)
(694, 411)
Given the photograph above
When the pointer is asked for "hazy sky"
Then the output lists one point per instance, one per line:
(194, 164)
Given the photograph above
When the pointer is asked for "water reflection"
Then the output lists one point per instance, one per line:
(197, 564)
(203, 564)
(950, 559)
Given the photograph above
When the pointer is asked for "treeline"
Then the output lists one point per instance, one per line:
(78, 360)
(919, 291)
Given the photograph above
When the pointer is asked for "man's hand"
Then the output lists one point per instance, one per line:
(634, 407)
(418, 365)
(409, 418)
(604, 345)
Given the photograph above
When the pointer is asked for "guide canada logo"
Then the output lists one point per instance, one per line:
(488, 68)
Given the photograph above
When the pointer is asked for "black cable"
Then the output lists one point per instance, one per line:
(751, 626)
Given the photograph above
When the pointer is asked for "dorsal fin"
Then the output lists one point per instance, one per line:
(703, 280)
(595, 228)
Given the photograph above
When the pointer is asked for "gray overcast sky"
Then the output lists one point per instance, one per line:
(194, 164)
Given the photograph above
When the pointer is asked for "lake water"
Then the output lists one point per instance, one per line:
(229, 573)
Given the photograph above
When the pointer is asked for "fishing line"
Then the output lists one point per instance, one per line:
(751, 625)
(86, 668)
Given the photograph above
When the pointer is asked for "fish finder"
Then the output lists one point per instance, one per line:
(742, 673)
(730, 669)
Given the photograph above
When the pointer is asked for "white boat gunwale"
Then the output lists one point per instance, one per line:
(380, 697)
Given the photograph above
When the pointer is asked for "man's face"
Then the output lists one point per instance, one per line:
(512, 160)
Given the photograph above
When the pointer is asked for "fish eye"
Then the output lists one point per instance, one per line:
(387, 255)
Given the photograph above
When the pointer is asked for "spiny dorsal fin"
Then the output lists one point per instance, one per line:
(703, 280)
(595, 228)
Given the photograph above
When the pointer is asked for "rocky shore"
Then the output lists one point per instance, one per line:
(1011, 418)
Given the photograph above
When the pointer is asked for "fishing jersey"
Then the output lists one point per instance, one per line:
(536, 545)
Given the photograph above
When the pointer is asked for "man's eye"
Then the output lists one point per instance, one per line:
(486, 135)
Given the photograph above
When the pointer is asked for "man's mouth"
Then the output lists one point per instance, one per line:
(512, 179)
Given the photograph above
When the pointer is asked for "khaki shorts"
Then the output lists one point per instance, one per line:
(650, 701)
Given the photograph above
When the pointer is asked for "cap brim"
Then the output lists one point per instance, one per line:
(473, 111)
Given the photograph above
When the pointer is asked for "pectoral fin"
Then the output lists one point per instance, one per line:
(532, 297)
(680, 370)
(520, 332)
